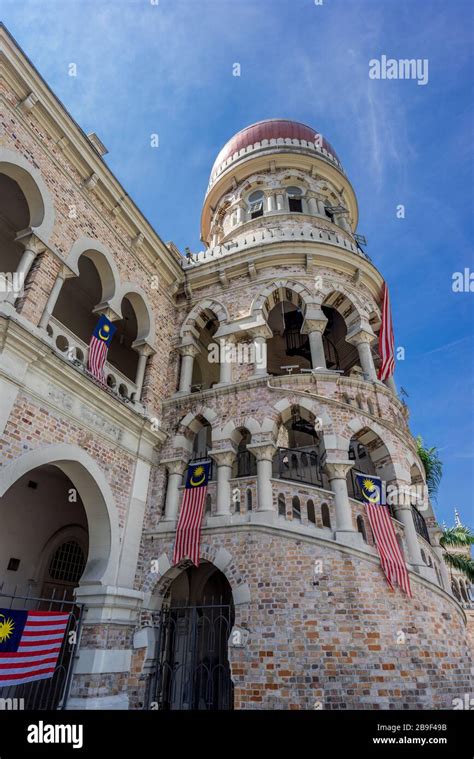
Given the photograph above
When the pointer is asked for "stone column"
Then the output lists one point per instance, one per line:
(313, 205)
(362, 339)
(314, 326)
(240, 213)
(63, 274)
(321, 207)
(144, 350)
(280, 201)
(260, 336)
(404, 514)
(337, 471)
(188, 353)
(32, 247)
(225, 377)
(264, 454)
(390, 383)
(271, 203)
(224, 460)
(175, 477)
(439, 551)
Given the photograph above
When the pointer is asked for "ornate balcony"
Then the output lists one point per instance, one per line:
(299, 465)
(71, 347)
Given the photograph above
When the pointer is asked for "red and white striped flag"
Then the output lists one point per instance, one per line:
(391, 559)
(188, 531)
(386, 339)
(30, 642)
(98, 348)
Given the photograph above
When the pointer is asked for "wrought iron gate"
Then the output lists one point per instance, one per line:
(53, 692)
(192, 669)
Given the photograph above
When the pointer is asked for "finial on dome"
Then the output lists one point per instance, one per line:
(457, 520)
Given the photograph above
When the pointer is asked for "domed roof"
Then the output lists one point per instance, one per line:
(271, 129)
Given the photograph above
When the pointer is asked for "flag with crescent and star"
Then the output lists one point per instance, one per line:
(98, 348)
(188, 531)
(30, 643)
(391, 558)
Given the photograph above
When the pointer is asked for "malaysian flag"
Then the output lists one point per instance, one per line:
(391, 559)
(99, 345)
(30, 642)
(188, 532)
(386, 340)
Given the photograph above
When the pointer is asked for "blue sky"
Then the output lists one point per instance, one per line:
(167, 69)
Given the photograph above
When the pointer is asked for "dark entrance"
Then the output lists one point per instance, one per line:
(194, 626)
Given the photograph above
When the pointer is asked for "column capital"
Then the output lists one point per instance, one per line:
(262, 451)
(361, 335)
(103, 309)
(143, 348)
(337, 469)
(189, 349)
(29, 241)
(262, 331)
(224, 457)
(175, 466)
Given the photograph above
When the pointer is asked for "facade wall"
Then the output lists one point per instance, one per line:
(339, 636)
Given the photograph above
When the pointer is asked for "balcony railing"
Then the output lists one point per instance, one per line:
(76, 351)
(420, 524)
(299, 464)
(246, 464)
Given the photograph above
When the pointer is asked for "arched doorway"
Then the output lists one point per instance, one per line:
(196, 619)
(44, 539)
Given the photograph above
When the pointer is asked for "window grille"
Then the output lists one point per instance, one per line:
(68, 562)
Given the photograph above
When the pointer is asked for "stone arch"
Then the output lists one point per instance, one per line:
(283, 411)
(230, 431)
(143, 311)
(96, 496)
(287, 289)
(103, 262)
(380, 445)
(346, 304)
(157, 582)
(196, 319)
(34, 189)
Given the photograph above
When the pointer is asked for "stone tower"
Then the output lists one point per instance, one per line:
(289, 303)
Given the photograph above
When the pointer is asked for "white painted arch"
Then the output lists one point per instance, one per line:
(96, 496)
(34, 189)
(103, 262)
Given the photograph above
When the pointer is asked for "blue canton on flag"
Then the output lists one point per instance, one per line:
(99, 345)
(391, 558)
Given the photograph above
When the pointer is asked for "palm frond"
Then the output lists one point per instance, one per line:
(457, 536)
(463, 564)
(432, 465)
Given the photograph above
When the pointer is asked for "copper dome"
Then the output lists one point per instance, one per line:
(270, 129)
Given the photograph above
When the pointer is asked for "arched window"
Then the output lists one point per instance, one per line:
(208, 503)
(281, 505)
(295, 202)
(463, 591)
(296, 508)
(237, 505)
(329, 213)
(68, 562)
(370, 407)
(325, 516)
(255, 202)
(455, 589)
(249, 499)
(361, 527)
(423, 556)
(311, 512)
